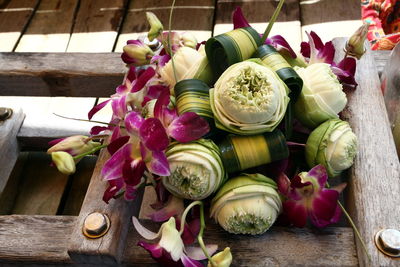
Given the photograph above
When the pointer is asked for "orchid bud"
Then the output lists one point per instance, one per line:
(355, 45)
(189, 40)
(156, 27)
(64, 162)
(221, 259)
(74, 145)
(137, 53)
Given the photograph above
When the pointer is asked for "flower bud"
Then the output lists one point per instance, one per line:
(189, 40)
(355, 45)
(74, 145)
(64, 162)
(156, 26)
(221, 259)
(137, 53)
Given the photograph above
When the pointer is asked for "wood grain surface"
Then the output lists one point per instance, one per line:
(109, 248)
(9, 145)
(30, 239)
(60, 74)
(374, 182)
(50, 27)
(14, 17)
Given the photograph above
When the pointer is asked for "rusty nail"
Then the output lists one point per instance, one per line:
(95, 225)
(388, 242)
(5, 113)
(154, 45)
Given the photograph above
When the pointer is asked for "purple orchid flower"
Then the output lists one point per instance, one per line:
(307, 197)
(315, 51)
(170, 249)
(277, 41)
(345, 72)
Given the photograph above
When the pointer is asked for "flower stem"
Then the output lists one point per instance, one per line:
(355, 229)
(75, 119)
(92, 151)
(202, 227)
(169, 40)
(272, 21)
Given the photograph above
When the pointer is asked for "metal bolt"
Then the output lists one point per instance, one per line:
(388, 242)
(96, 225)
(5, 113)
(154, 45)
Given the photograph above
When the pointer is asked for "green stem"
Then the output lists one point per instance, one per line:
(202, 227)
(272, 21)
(92, 151)
(100, 122)
(355, 230)
(169, 40)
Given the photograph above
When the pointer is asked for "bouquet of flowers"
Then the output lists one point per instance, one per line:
(239, 123)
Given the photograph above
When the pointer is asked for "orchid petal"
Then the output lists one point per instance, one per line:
(116, 133)
(190, 231)
(96, 108)
(320, 174)
(153, 135)
(143, 79)
(119, 106)
(133, 122)
(283, 184)
(113, 188)
(345, 72)
(144, 232)
(130, 192)
(159, 254)
(296, 213)
(325, 209)
(163, 196)
(117, 144)
(281, 45)
(171, 240)
(131, 75)
(188, 127)
(112, 169)
(158, 164)
(154, 92)
(319, 53)
(305, 49)
(161, 60)
(239, 21)
(161, 104)
(173, 207)
(132, 171)
(197, 253)
(188, 262)
(95, 130)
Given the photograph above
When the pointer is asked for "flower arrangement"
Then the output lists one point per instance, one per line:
(190, 117)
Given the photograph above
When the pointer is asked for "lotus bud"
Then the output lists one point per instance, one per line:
(156, 27)
(332, 144)
(74, 145)
(355, 45)
(64, 162)
(221, 259)
(247, 204)
(249, 98)
(189, 40)
(184, 59)
(322, 96)
(196, 169)
(137, 53)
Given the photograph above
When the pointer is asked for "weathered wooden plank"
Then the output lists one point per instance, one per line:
(374, 180)
(14, 16)
(60, 74)
(79, 185)
(135, 23)
(381, 57)
(9, 147)
(258, 13)
(280, 246)
(97, 25)
(109, 248)
(50, 27)
(330, 19)
(34, 239)
(41, 188)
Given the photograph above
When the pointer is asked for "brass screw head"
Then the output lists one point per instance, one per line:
(388, 242)
(96, 225)
(5, 113)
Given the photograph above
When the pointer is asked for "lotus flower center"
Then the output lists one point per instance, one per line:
(248, 224)
(190, 180)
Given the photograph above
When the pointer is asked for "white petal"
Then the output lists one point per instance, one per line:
(197, 253)
(149, 235)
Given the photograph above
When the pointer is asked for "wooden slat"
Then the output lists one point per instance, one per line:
(374, 182)
(258, 13)
(97, 25)
(50, 27)
(14, 16)
(41, 188)
(330, 19)
(34, 239)
(135, 23)
(9, 147)
(60, 74)
(381, 57)
(109, 248)
(278, 247)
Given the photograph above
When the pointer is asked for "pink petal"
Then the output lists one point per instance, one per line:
(325, 209)
(143, 231)
(131, 73)
(191, 231)
(121, 89)
(159, 254)
(113, 188)
(130, 192)
(283, 184)
(135, 42)
(117, 144)
(112, 169)
(305, 49)
(161, 104)
(116, 132)
(188, 127)
(154, 92)
(153, 135)
(188, 262)
(133, 121)
(319, 173)
(160, 60)
(319, 45)
(158, 164)
(295, 184)
(239, 21)
(281, 44)
(295, 212)
(143, 79)
(345, 72)
(173, 207)
(132, 171)
(96, 108)
(163, 196)
(119, 106)
(196, 253)
(97, 129)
